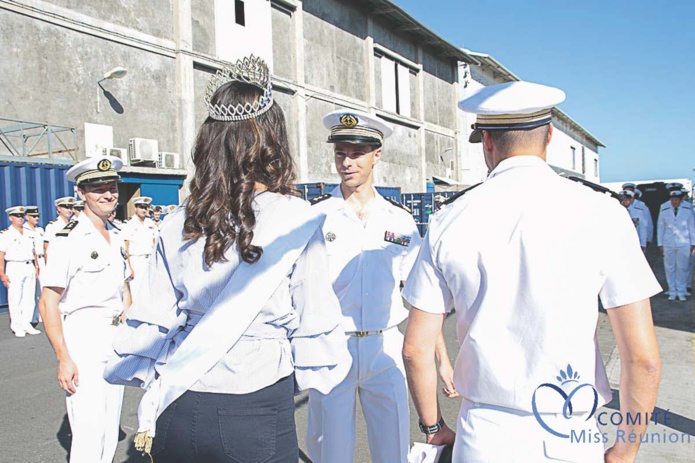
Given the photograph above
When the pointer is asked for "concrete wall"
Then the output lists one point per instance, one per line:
(151, 17)
(324, 58)
(53, 78)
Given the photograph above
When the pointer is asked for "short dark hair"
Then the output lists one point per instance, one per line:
(507, 140)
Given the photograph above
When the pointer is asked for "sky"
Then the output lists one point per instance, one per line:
(627, 67)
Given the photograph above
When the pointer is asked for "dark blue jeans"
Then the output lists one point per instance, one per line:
(201, 427)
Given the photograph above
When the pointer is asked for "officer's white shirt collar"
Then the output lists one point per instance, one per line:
(338, 193)
(87, 226)
(516, 161)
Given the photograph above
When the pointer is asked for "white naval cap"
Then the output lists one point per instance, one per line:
(32, 211)
(511, 106)
(627, 193)
(64, 201)
(79, 205)
(351, 126)
(674, 186)
(142, 200)
(629, 185)
(16, 210)
(638, 193)
(676, 193)
(169, 209)
(95, 170)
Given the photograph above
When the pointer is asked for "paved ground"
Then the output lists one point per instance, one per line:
(34, 426)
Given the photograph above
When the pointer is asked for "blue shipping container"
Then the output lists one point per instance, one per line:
(422, 205)
(31, 184)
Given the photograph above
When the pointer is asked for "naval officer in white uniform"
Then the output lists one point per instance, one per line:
(676, 241)
(637, 215)
(524, 282)
(371, 243)
(31, 226)
(84, 298)
(637, 203)
(18, 272)
(64, 210)
(140, 234)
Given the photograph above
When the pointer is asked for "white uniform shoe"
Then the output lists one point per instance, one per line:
(672, 297)
(681, 298)
(20, 334)
(32, 330)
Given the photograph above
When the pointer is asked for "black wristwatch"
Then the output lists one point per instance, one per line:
(435, 428)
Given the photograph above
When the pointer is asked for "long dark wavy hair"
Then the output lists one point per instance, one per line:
(230, 158)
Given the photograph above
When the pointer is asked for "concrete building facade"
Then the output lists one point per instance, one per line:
(325, 54)
(572, 151)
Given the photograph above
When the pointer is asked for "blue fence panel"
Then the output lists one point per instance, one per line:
(422, 205)
(31, 184)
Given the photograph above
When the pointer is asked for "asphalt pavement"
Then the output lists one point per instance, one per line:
(34, 426)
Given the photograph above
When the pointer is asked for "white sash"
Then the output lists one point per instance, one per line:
(230, 315)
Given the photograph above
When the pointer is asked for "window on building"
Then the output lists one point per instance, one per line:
(395, 86)
(239, 13)
(583, 161)
(596, 168)
(574, 157)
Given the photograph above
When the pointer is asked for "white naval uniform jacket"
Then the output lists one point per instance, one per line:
(140, 235)
(640, 217)
(368, 260)
(53, 227)
(525, 280)
(18, 247)
(91, 270)
(37, 235)
(674, 231)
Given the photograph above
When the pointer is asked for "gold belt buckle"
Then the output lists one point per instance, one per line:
(360, 334)
(115, 321)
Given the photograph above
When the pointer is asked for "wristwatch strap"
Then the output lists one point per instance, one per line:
(431, 429)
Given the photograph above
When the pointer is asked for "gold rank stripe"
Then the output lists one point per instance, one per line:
(95, 174)
(505, 119)
(358, 131)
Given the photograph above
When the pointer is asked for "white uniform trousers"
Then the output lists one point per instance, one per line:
(94, 411)
(36, 317)
(491, 434)
(377, 375)
(676, 267)
(139, 265)
(689, 278)
(21, 295)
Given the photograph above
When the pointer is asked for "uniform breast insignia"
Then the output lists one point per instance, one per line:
(459, 194)
(330, 236)
(68, 228)
(397, 204)
(595, 187)
(94, 255)
(396, 238)
(318, 199)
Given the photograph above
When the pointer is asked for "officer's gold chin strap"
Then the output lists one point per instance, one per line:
(143, 443)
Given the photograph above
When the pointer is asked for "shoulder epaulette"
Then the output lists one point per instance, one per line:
(115, 226)
(3, 231)
(68, 228)
(318, 199)
(51, 222)
(595, 187)
(459, 194)
(397, 204)
(665, 206)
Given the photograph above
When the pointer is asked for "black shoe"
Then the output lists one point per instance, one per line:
(34, 324)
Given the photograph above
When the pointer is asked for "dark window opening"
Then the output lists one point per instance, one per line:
(239, 12)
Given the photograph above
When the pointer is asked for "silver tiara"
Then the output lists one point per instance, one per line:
(251, 70)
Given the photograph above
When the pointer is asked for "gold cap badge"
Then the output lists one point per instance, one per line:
(349, 120)
(104, 165)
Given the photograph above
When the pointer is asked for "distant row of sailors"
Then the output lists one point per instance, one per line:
(24, 251)
(675, 234)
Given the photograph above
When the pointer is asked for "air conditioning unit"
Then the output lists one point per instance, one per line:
(121, 153)
(143, 151)
(169, 160)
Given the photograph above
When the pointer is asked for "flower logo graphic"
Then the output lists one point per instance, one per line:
(565, 377)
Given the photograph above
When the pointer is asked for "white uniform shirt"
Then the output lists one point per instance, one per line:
(17, 247)
(91, 270)
(53, 227)
(140, 235)
(37, 235)
(365, 261)
(675, 230)
(524, 273)
(640, 221)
